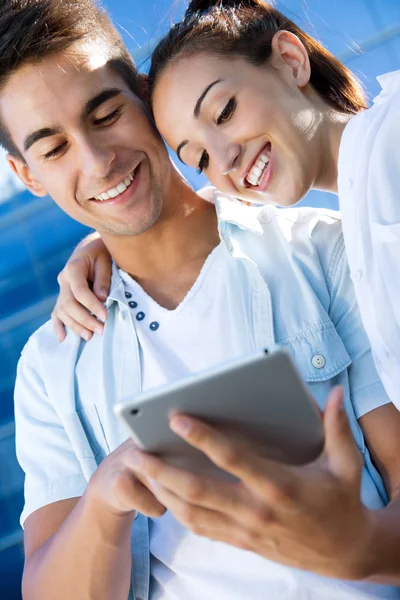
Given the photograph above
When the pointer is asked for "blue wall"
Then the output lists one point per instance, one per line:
(36, 237)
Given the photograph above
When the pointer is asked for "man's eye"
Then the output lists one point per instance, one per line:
(203, 162)
(108, 118)
(227, 112)
(55, 151)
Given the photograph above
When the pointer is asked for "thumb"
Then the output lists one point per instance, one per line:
(102, 277)
(341, 452)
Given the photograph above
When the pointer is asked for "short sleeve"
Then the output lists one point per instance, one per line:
(366, 389)
(52, 470)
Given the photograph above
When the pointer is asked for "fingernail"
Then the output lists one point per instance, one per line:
(99, 329)
(103, 293)
(180, 425)
(85, 335)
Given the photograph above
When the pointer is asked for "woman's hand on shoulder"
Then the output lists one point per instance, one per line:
(84, 286)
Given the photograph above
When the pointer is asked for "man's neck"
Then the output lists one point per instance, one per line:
(167, 258)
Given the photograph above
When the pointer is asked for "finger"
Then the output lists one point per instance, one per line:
(194, 488)
(77, 312)
(102, 278)
(74, 325)
(343, 456)
(58, 327)
(203, 521)
(134, 495)
(87, 299)
(275, 482)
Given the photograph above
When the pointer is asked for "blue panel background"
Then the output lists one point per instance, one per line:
(36, 237)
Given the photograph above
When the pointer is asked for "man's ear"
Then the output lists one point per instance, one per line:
(24, 173)
(143, 87)
(288, 51)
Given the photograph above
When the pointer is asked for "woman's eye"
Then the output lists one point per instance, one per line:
(227, 112)
(203, 162)
(109, 117)
(55, 151)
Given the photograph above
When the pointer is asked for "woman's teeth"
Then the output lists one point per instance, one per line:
(119, 189)
(254, 176)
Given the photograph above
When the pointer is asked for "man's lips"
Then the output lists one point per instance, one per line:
(127, 193)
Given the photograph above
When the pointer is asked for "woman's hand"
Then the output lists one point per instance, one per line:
(88, 267)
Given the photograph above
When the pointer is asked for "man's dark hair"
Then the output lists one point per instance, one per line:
(31, 30)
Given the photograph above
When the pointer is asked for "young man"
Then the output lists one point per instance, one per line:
(180, 301)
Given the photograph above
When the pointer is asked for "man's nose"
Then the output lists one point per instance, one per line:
(96, 159)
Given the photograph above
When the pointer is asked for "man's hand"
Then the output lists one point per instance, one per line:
(117, 486)
(308, 517)
(90, 262)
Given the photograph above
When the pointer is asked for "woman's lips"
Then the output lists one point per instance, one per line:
(258, 175)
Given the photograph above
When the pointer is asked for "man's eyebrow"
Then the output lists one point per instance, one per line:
(90, 106)
(35, 136)
(197, 108)
(179, 148)
(98, 100)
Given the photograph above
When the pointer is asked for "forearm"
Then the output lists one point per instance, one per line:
(89, 558)
(383, 562)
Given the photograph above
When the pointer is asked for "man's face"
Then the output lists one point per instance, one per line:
(87, 141)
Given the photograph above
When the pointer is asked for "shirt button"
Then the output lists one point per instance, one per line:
(132, 304)
(154, 326)
(318, 361)
(140, 316)
(128, 295)
(357, 275)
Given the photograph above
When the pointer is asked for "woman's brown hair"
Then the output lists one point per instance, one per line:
(245, 28)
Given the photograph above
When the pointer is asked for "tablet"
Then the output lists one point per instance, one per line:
(260, 400)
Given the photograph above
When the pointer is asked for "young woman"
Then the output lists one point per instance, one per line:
(247, 97)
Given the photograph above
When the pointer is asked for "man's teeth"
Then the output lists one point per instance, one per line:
(254, 176)
(116, 191)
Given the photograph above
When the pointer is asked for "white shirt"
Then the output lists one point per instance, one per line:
(279, 277)
(369, 196)
(210, 326)
(198, 334)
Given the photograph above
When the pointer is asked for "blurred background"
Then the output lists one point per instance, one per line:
(36, 238)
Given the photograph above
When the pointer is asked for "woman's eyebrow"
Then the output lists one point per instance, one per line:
(197, 108)
(196, 113)
(179, 148)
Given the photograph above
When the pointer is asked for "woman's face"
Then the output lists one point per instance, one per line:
(252, 130)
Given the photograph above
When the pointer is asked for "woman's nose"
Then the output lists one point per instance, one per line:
(225, 155)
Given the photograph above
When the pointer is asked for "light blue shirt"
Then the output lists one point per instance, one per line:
(293, 263)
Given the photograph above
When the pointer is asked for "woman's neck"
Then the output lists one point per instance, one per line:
(332, 127)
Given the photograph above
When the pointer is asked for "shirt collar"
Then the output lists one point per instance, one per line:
(389, 82)
(232, 210)
(117, 288)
